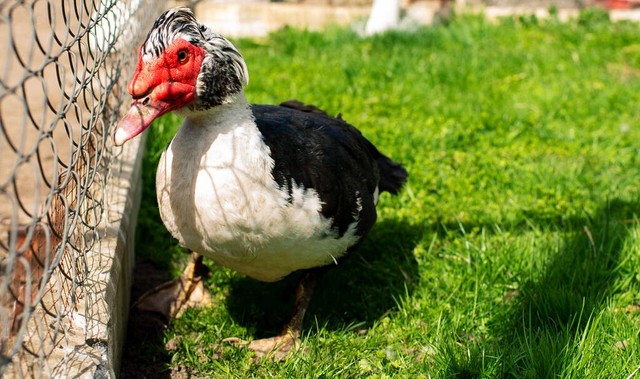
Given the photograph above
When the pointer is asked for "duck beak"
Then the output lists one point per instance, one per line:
(138, 118)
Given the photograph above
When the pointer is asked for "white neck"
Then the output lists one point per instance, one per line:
(224, 136)
(235, 107)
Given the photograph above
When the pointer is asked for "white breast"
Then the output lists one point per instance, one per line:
(217, 196)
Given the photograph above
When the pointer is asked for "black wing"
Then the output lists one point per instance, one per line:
(326, 154)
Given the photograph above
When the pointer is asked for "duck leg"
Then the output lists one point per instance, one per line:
(278, 347)
(172, 298)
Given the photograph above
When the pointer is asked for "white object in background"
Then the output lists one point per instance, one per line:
(385, 14)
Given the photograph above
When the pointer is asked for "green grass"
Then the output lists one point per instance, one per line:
(514, 250)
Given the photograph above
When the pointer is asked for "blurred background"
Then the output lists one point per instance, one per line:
(259, 17)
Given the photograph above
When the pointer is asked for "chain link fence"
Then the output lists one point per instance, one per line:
(62, 83)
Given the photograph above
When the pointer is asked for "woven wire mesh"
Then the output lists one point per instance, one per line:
(62, 83)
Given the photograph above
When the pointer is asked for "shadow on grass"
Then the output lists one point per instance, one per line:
(359, 290)
(535, 334)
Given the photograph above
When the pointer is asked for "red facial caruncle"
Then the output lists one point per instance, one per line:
(159, 86)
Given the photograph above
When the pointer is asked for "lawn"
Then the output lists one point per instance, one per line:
(512, 252)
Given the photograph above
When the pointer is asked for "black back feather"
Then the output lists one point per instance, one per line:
(330, 156)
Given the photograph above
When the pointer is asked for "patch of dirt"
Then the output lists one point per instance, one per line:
(144, 354)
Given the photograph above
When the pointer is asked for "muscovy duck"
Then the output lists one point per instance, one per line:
(264, 190)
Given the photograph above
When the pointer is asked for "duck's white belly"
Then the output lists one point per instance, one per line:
(226, 206)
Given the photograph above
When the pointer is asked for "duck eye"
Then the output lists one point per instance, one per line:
(182, 56)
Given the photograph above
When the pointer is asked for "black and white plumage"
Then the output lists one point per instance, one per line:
(265, 190)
